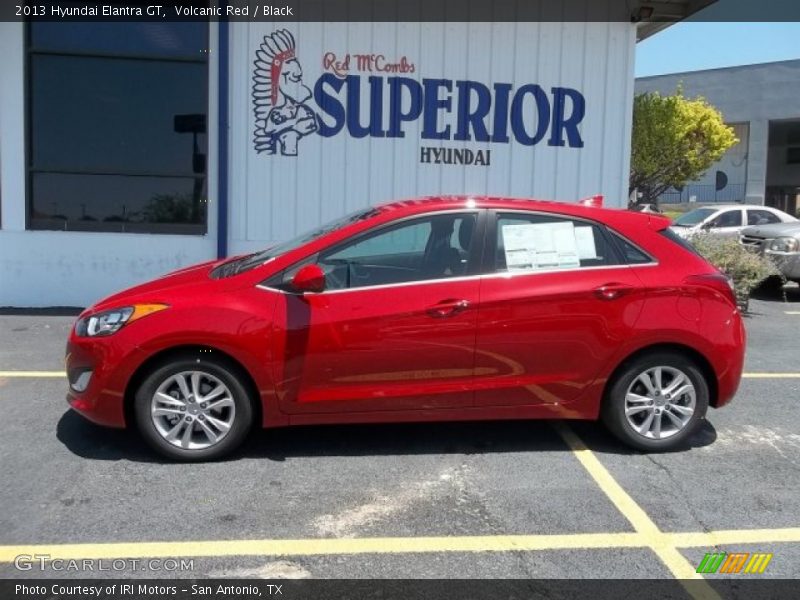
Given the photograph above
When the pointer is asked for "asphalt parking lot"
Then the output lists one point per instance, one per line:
(483, 500)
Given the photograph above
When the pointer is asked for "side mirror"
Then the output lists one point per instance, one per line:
(310, 278)
(707, 226)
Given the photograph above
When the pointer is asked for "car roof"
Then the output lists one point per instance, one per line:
(427, 204)
(719, 206)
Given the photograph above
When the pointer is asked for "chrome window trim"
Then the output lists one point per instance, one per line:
(492, 275)
(613, 232)
(504, 275)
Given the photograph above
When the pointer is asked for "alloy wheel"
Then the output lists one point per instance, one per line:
(193, 410)
(660, 402)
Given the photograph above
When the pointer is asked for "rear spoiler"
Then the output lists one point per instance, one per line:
(595, 201)
(658, 222)
(655, 222)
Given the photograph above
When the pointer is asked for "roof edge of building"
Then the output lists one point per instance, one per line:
(728, 68)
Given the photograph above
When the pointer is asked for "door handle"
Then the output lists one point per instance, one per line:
(612, 291)
(447, 308)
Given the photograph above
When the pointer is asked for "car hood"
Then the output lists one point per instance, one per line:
(772, 231)
(160, 289)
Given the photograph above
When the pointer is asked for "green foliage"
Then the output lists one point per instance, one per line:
(675, 140)
(747, 269)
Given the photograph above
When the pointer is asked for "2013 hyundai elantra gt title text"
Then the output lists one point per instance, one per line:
(423, 310)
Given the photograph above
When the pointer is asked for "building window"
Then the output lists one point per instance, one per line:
(117, 127)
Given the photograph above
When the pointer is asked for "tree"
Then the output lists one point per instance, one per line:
(675, 140)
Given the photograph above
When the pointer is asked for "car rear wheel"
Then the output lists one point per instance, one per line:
(193, 409)
(656, 401)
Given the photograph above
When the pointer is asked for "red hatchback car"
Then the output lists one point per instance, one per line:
(423, 310)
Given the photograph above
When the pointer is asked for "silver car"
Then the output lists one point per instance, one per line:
(781, 242)
(727, 220)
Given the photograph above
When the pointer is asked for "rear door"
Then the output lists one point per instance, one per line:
(552, 313)
(758, 216)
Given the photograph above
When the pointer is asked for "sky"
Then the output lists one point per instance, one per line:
(693, 46)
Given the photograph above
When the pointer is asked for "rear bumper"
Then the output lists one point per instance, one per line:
(729, 370)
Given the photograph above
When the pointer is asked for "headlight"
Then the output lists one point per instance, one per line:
(784, 244)
(110, 321)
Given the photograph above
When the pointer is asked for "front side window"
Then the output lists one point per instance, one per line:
(545, 242)
(117, 137)
(730, 218)
(433, 247)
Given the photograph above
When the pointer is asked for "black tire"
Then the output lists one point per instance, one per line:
(241, 415)
(614, 403)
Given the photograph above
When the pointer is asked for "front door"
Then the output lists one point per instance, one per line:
(727, 224)
(395, 327)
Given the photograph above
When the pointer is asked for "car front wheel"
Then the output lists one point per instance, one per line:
(656, 401)
(193, 409)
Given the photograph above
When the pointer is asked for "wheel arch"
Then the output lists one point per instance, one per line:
(183, 351)
(693, 354)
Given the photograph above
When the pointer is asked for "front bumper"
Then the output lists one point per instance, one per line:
(788, 263)
(97, 375)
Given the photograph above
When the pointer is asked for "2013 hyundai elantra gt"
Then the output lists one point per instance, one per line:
(433, 309)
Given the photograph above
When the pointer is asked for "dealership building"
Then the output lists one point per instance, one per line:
(762, 104)
(128, 150)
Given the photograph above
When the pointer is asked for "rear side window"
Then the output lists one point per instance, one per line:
(631, 254)
(531, 242)
(761, 217)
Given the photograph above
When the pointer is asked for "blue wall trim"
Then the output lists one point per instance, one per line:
(222, 140)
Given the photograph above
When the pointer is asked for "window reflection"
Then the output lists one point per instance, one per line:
(77, 202)
(118, 141)
(162, 40)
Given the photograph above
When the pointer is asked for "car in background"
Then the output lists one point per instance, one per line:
(646, 208)
(780, 242)
(437, 309)
(727, 220)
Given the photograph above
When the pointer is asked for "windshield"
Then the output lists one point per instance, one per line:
(694, 217)
(259, 258)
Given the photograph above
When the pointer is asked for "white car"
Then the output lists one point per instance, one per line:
(727, 220)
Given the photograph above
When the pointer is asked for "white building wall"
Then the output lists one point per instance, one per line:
(273, 197)
(69, 268)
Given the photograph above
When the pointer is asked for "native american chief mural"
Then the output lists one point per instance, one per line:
(280, 99)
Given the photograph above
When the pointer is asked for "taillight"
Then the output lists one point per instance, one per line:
(716, 281)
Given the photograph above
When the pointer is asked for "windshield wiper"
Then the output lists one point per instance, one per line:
(230, 268)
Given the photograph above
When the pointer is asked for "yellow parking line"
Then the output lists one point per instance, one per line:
(30, 374)
(402, 545)
(668, 553)
(792, 312)
(303, 547)
(771, 375)
(735, 536)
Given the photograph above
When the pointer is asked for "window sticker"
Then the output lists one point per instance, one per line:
(540, 246)
(584, 239)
